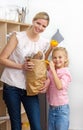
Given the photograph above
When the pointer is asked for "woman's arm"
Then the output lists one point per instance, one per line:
(56, 79)
(9, 48)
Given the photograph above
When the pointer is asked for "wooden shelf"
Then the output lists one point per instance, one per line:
(7, 27)
(12, 22)
(3, 118)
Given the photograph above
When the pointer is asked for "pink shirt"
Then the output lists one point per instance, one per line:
(59, 97)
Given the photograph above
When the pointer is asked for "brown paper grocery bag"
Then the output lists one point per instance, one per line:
(35, 77)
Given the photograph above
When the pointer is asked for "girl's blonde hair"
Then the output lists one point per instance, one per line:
(65, 52)
(42, 15)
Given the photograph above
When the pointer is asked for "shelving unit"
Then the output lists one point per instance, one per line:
(7, 27)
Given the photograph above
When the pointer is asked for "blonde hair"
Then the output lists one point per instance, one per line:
(65, 52)
(42, 15)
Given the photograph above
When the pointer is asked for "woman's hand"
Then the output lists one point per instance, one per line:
(28, 65)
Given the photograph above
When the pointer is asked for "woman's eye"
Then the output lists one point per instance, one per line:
(41, 25)
(38, 23)
(44, 26)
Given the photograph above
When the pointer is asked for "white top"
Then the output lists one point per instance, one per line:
(25, 47)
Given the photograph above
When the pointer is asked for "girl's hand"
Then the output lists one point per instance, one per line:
(44, 88)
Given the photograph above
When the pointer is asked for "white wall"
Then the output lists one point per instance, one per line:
(67, 16)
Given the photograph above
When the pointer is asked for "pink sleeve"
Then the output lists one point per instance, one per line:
(66, 79)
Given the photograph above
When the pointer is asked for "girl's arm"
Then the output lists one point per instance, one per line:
(56, 79)
(45, 87)
(48, 52)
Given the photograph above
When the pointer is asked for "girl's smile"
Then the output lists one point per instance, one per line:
(59, 59)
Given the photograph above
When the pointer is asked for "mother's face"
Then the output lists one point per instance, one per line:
(40, 25)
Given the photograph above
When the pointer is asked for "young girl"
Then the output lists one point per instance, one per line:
(58, 81)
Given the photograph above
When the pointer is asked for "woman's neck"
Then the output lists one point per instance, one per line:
(32, 36)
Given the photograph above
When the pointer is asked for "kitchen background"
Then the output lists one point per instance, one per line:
(65, 15)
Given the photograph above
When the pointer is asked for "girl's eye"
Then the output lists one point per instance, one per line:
(60, 57)
(55, 58)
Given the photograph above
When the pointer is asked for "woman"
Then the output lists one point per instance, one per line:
(19, 46)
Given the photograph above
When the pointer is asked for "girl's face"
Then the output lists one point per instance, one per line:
(59, 59)
(39, 25)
